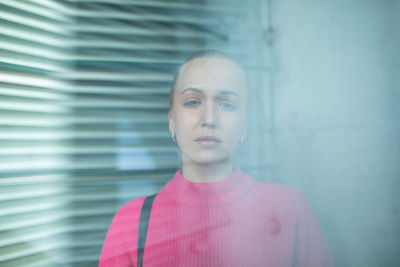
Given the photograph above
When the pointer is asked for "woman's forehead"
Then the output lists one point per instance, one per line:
(211, 73)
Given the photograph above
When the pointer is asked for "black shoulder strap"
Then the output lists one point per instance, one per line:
(143, 225)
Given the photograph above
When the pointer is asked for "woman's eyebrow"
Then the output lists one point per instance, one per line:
(225, 92)
(228, 93)
(193, 90)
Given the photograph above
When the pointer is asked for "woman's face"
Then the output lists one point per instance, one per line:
(208, 115)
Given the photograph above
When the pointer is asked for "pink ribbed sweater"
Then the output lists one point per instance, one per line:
(233, 222)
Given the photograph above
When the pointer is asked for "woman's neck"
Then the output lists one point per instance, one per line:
(206, 173)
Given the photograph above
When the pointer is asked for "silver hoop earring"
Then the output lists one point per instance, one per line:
(174, 137)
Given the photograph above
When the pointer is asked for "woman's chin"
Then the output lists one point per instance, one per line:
(210, 159)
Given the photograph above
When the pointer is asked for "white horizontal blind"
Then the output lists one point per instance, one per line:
(126, 53)
(34, 125)
(84, 102)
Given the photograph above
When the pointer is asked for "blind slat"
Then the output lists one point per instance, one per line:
(32, 7)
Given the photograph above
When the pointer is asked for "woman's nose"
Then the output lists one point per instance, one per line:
(209, 117)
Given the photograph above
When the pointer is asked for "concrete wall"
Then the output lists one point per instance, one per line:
(337, 115)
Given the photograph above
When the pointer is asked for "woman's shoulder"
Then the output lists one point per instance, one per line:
(280, 192)
(130, 209)
(279, 188)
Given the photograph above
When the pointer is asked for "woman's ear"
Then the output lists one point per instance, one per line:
(244, 132)
(171, 122)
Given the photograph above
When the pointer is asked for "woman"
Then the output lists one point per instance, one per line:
(211, 213)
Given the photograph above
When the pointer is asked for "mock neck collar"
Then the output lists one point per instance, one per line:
(209, 194)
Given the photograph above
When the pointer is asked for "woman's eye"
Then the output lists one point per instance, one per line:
(228, 106)
(191, 103)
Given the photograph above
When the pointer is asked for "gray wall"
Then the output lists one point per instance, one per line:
(337, 113)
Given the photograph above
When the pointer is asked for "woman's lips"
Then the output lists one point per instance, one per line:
(208, 138)
(208, 141)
